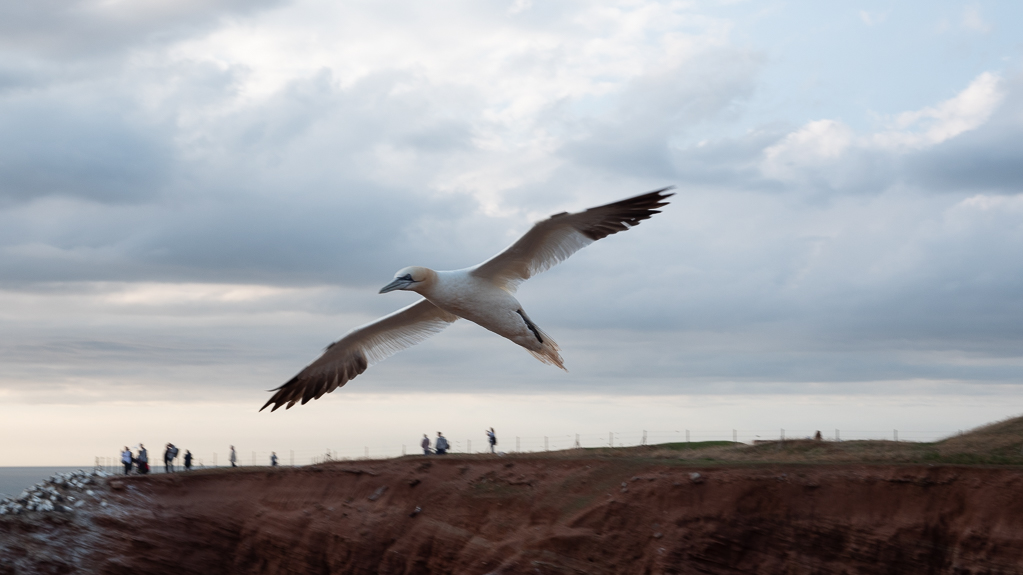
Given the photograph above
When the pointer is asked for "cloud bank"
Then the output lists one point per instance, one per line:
(197, 197)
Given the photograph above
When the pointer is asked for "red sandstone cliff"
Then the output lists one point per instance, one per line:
(522, 514)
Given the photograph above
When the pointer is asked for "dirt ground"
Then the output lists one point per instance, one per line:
(577, 513)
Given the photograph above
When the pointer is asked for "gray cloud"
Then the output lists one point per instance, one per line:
(870, 264)
(654, 110)
(85, 28)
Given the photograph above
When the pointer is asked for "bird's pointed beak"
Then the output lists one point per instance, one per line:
(398, 283)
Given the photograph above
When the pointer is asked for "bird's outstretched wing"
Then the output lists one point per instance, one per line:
(358, 349)
(553, 240)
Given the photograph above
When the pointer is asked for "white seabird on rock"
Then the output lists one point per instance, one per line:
(482, 294)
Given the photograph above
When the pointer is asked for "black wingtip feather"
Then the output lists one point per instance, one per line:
(627, 213)
(312, 383)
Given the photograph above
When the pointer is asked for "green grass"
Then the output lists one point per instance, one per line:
(687, 446)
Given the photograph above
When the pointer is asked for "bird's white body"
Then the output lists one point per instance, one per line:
(482, 302)
(482, 294)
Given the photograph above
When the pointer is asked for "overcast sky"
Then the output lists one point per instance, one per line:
(197, 197)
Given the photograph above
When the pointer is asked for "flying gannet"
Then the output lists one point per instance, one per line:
(482, 294)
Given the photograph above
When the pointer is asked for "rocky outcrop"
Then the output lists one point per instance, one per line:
(543, 515)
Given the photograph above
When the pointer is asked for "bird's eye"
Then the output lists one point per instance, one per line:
(407, 277)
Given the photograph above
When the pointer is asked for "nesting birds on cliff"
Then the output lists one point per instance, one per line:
(483, 294)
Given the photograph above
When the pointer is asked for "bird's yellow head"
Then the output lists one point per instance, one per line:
(410, 278)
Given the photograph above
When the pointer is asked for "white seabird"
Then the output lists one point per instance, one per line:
(482, 294)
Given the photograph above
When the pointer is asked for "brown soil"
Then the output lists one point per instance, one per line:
(579, 512)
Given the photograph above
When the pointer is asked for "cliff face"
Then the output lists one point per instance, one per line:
(537, 515)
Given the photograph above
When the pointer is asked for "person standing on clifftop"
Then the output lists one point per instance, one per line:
(233, 458)
(441, 445)
(492, 439)
(126, 460)
(143, 460)
(425, 444)
(273, 459)
(168, 458)
(188, 460)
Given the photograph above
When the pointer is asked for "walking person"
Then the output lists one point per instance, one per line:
(425, 444)
(126, 460)
(233, 458)
(273, 459)
(441, 445)
(492, 439)
(169, 454)
(188, 460)
(143, 460)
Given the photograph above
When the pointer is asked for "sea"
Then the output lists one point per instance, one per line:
(13, 480)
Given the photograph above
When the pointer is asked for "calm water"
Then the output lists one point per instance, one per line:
(14, 479)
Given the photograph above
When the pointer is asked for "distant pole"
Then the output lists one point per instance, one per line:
(644, 438)
(896, 434)
(545, 448)
(783, 434)
(837, 437)
(403, 449)
(577, 440)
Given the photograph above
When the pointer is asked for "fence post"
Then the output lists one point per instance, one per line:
(577, 440)
(837, 438)
(403, 449)
(783, 434)
(896, 435)
(545, 448)
(644, 438)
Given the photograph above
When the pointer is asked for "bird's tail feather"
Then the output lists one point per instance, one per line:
(549, 353)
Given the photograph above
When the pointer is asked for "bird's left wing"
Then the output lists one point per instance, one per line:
(553, 240)
(358, 349)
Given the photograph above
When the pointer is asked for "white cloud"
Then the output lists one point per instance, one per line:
(873, 18)
(968, 110)
(829, 152)
(973, 21)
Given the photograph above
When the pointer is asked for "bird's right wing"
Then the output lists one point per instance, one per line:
(358, 349)
(553, 240)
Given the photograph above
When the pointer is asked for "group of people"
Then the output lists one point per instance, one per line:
(140, 460)
(441, 445)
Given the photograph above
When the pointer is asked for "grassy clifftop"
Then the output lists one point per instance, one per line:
(999, 443)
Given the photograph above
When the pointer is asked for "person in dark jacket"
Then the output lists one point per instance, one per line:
(126, 460)
(142, 461)
(492, 439)
(188, 460)
(441, 445)
(169, 454)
